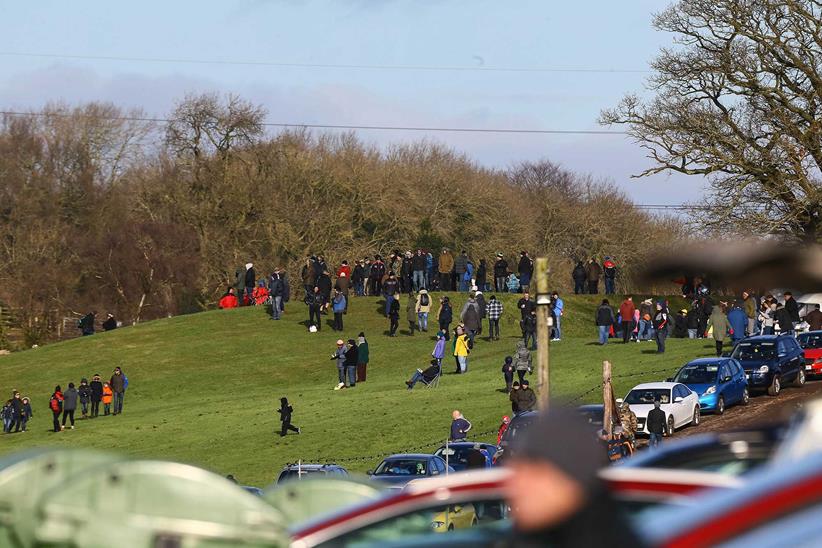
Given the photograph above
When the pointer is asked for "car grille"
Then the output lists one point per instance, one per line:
(640, 424)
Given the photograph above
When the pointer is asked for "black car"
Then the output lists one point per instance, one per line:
(518, 424)
(300, 471)
(770, 362)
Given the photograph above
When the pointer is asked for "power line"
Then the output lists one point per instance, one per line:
(348, 127)
(433, 68)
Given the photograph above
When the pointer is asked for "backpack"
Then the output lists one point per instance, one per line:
(54, 404)
(470, 342)
(424, 300)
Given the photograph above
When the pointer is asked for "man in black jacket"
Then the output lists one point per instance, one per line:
(314, 301)
(500, 274)
(351, 357)
(579, 275)
(525, 270)
(250, 282)
(276, 289)
(792, 307)
(656, 424)
(96, 386)
(604, 319)
(418, 266)
(428, 375)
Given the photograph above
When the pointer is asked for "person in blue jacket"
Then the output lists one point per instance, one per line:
(739, 321)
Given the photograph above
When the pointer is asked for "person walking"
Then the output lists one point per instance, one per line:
(118, 387)
(494, 311)
(411, 313)
(609, 272)
(17, 411)
(656, 424)
(661, 326)
(394, 318)
(522, 363)
(96, 387)
(84, 391)
(530, 329)
(500, 274)
(338, 306)
(445, 267)
(445, 316)
(579, 276)
(439, 348)
(525, 268)
(276, 289)
(462, 348)
(527, 397)
(503, 427)
(285, 412)
(314, 302)
(460, 426)
(508, 373)
(470, 317)
(423, 309)
(70, 397)
(352, 356)
(108, 395)
(362, 357)
(558, 310)
(604, 320)
(56, 406)
(720, 325)
(28, 413)
(339, 358)
(592, 274)
(626, 312)
(738, 320)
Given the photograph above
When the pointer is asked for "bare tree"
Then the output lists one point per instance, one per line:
(738, 100)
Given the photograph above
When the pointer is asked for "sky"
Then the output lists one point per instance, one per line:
(527, 34)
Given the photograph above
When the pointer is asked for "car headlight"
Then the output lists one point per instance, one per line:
(764, 369)
(437, 524)
(710, 390)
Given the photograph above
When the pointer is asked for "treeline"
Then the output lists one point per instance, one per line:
(102, 209)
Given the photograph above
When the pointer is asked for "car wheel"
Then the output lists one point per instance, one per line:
(746, 397)
(669, 428)
(800, 378)
(695, 421)
(775, 387)
(720, 405)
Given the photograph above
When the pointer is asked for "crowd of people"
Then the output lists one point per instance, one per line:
(90, 396)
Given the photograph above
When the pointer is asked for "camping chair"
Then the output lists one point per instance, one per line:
(435, 382)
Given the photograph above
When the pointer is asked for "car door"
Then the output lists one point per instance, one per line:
(679, 412)
(797, 355)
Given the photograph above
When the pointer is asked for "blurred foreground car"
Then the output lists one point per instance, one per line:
(300, 471)
(719, 382)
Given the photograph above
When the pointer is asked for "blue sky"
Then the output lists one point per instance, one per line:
(465, 33)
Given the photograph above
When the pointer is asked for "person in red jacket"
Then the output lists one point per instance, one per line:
(626, 311)
(260, 294)
(229, 300)
(506, 421)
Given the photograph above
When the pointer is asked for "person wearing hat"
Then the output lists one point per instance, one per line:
(526, 270)
(439, 348)
(508, 373)
(339, 357)
(554, 491)
(351, 358)
(285, 411)
(681, 324)
(445, 315)
(500, 273)
(528, 398)
(96, 386)
(428, 375)
(506, 421)
(110, 323)
(362, 357)
(513, 397)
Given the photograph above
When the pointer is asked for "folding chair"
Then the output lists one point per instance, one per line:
(435, 382)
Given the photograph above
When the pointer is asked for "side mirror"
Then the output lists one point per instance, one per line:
(678, 399)
(727, 379)
(669, 379)
(370, 472)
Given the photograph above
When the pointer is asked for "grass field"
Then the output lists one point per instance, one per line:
(204, 388)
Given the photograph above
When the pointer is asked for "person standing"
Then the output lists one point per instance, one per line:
(344, 281)
(656, 424)
(445, 268)
(500, 274)
(84, 391)
(482, 275)
(358, 277)
(661, 326)
(530, 328)
(314, 302)
(792, 307)
(276, 288)
(56, 406)
(285, 412)
(423, 309)
(362, 357)
(470, 317)
(814, 319)
(445, 316)
(526, 306)
(439, 348)
(719, 322)
(579, 276)
(394, 317)
(390, 288)
(461, 350)
(522, 365)
(592, 273)
(377, 274)
(604, 319)
(70, 398)
(749, 305)
(460, 426)
(118, 387)
(418, 267)
(693, 321)
(626, 312)
(494, 310)
(527, 397)
(767, 316)
(525, 268)
(609, 272)
(558, 309)
(27, 414)
(352, 356)
(249, 282)
(96, 395)
(483, 308)
(508, 373)
(108, 394)
(308, 275)
(17, 411)
(738, 320)
(324, 285)
(411, 313)
(338, 307)
(86, 324)
(503, 427)
(460, 268)
(339, 357)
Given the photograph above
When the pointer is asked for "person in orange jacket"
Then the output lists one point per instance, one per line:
(260, 294)
(108, 394)
(229, 300)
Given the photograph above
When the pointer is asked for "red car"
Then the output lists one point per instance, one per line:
(811, 343)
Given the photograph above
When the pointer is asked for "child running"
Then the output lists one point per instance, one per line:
(285, 411)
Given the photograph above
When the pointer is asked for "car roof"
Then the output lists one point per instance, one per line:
(655, 385)
(764, 338)
(708, 361)
(591, 407)
(419, 456)
(467, 444)
(314, 466)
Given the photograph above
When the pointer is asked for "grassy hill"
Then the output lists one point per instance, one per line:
(204, 388)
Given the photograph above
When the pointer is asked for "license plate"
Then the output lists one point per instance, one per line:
(808, 368)
(748, 376)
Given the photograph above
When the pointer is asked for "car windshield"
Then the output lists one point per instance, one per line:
(810, 340)
(697, 374)
(755, 351)
(401, 467)
(517, 427)
(295, 473)
(648, 395)
(462, 457)
(592, 416)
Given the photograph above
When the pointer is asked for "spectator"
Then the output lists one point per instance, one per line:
(366, 288)
(285, 412)
(96, 395)
(391, 289)
(738, 320)
(411, 313)
(8, 416)
(339, 357)
(513, 283)
(522, 365)
(445, 316)
(429, 272)
(239, 284)
(338, 308)
(324, 286)
(626, 312)
(557, 310)
(362, 357)
(482, 306)
(526, 306)
(276, 289)
(500, 273)
(527, 397)
(250, 282)
(646, 325)
(749, 305)
(525, 268)
(428, 375)
(110, 323)
(314, 302)
(70, 397)
(86, 324)
(439, 348)
(308, 276)
(17, 411)
(459, 426)
(462, 347)
(720, 325)
(656, 424)
(377, 274)
(814, 319)
(468, 276)
(470, 317)
(460, 268)
(229, 300)
(767, 314)
(394, 317)
(418, 267)
(609, 272)
(56, 406)
(693, 321)
(792, 307)
(579, 276)
(513, 397)
(604, 319)
(530, 327)
(118, 387)
(661, 326)
(343, 283)
(27, 414)
(358, 278)
(352, 356)
(592, 273)
(783, 319)
(407, 270)
(260, 294)
(681, 324)
(107, 397)
(423, 307)
(506, 421)
(446, 266)
(508, 373)
(494, 310)
(482, 276)
(84, 391)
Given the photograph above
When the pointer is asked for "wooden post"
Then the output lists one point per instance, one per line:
(607, 399)
(543, 331)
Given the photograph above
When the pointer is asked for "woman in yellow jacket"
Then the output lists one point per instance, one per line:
(461, 350)
(108, 393)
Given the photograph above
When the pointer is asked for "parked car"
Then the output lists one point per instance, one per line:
(458, 455)
(771, 362)
(298, 471)
(679, 403)
(455, 516)
(719, 382)
(397, 470)
(811, 343)
(593, 414)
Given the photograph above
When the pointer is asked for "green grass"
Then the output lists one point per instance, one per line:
(204, 388)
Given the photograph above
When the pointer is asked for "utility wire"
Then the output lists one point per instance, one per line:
(349, 127)
(434, 68)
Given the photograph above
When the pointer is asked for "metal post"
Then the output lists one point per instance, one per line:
(446, 457)
(543, 331)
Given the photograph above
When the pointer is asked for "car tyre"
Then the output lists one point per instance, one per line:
(775, 387)
(669, 426)
(696, 417)
(800, 379)
(720, 406)
(746, 397)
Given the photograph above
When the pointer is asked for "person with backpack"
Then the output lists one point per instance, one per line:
(285, 412)
(462, 348)
(118, 386)
(445, 316)
(522, 360)
(108, 394)
(494, 310)
(96, 395)
(84, 391)
(423, 309)
(362, 357)
(508, 373)
(609, 272)
(70, 397)
(56, 406)
(86, 324)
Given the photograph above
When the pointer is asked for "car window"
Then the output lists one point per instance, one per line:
(401, 467)
(648, 395)
(754, 350)
(697, 373)
(811, 340)
(782, 348)
(434, 520)
(725, 371)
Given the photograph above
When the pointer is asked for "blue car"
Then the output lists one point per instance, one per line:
(719, 382)
(467, 455)
(771, 362)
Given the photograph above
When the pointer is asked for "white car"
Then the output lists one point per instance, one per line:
(677, 401)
